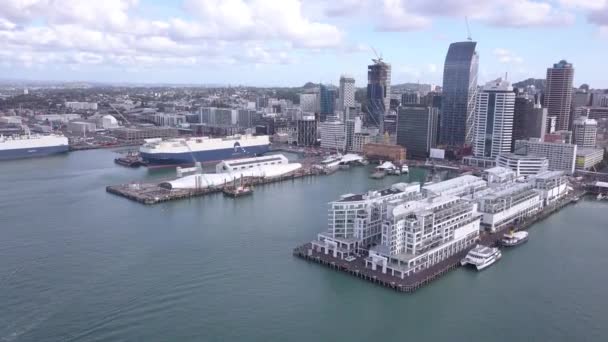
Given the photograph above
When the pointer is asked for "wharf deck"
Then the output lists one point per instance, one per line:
(414, 282)
(153, 193)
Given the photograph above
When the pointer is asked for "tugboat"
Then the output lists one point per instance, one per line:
(481, 257)
(513, 239)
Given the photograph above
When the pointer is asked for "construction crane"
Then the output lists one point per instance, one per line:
(120, 114)
(378, 56)
(469, 38)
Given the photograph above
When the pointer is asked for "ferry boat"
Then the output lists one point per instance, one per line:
(513, 239)
(481, 257)
(32, 145)
(187, 151)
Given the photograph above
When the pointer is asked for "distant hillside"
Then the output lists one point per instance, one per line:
(539, 84)
(309, 85)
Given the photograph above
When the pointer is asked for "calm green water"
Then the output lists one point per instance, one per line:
(78, 264)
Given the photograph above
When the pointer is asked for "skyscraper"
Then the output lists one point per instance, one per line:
(410, 98)
(494, 119)
(346, 93)
(459, 91)
(417, 129)
(378, 91)
(529, 119)
(327, 100)
(558, 95)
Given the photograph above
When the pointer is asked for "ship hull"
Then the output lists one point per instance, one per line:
(32, 152)
(187, 158)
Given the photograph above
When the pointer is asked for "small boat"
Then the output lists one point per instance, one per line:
(513, 239)
(481, 257)
(405, 169)
(238, 191)
(601, 197)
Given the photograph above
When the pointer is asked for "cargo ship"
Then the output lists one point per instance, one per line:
(187, 151)
(32, 145)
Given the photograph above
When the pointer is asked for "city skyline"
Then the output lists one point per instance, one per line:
(260, 43)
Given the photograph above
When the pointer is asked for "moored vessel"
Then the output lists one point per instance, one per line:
(512, 239)
(187, 151)
(32, 145)
(481, 257)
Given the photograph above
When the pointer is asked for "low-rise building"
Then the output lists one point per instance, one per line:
(81, 127)
(459, 186)
(142, 133)
(378, 151)
(561, 156)
(360, 140)
(551, 185)
(523, 165)
(504, 205)
(586, 158)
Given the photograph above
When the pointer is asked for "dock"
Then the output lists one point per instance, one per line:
(418, 280)
(153, 193)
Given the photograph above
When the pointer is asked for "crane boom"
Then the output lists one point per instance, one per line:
(469, 38)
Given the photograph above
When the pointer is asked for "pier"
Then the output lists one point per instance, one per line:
(153, 193)
(414, 282)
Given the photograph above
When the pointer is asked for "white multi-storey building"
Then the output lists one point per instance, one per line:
(551, 185)
(494, 110)
(333, 135)
(346, 95)
(561, 156)
(459, 186)
(584, 132)
(503, 205)
(420, 233)
(523, 165)
(81, 105)
(355, 219)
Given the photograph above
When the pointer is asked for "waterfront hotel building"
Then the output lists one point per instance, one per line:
(418, 234)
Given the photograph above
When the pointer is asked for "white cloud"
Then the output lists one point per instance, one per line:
(507, 57)
(406, 15)
(109, 31)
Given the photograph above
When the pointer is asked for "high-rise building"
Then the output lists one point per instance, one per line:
(410, 98)
(327, 100)
(494, 119)
(529, 119)
(584, 132)
(378, 91)
(558, 95)
(459, 92)
(309, 102)
(307, 131)
(353, 126)
(333, 135)
(417, 129)
(346, 94)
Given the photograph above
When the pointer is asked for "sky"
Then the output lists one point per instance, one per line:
(291, 42)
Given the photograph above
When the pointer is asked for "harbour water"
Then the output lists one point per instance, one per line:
(79, 264)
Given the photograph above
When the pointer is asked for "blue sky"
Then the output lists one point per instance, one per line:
(290, 42)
